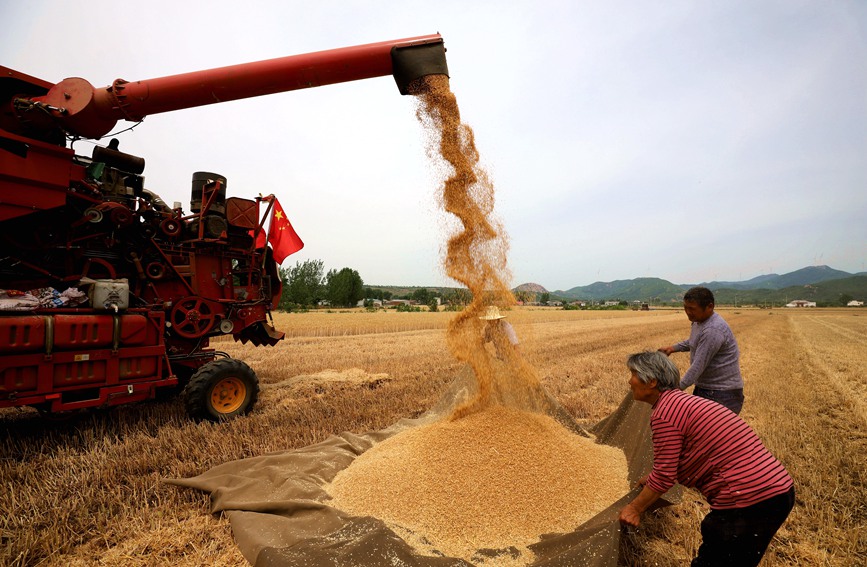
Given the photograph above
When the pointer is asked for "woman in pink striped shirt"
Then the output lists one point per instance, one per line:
(701, 444)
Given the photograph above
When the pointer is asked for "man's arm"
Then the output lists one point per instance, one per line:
(682, 346)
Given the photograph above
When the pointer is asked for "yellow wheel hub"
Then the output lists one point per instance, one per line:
(228, 395)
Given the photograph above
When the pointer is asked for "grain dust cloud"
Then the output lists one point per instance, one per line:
(497, 472)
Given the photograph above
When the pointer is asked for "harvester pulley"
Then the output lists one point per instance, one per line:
(170, 227)
(193, 317)
(156, 270)
(117, 213)
(93, 215)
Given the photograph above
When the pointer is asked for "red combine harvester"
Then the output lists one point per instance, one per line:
(107, 294)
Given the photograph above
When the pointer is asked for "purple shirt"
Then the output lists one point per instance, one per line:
(714, 358)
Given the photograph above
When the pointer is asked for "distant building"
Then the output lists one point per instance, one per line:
(855, 303)
(801, 303)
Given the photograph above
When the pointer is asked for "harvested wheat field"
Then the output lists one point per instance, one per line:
(89, 490)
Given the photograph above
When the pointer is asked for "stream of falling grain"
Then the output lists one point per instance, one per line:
(476, 254)
(499, 473)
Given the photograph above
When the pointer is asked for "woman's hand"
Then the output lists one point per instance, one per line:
(630, 516)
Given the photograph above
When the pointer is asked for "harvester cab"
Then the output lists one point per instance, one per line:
(107, 293)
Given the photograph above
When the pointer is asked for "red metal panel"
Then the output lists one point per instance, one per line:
(242, 213)
(18, 379)
(133, 330)
(22, 333)
(19, 373)
(83, 331)
(156, 328)
(36, 84)
(213, 280)
(36, 180)
(114, 377)
(80, 372)
(138, 367)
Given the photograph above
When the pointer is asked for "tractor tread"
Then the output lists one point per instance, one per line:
(196, 394)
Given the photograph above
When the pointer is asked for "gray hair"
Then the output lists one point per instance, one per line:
(654, 365)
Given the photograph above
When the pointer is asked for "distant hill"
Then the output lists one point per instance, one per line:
(754, 283)
(804, 276)
(828, 292)
(776, 288)
(810, 275)
(531, 287)
(821, 284)
(643, 289)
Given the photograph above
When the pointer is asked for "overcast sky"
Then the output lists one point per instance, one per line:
(692, 141)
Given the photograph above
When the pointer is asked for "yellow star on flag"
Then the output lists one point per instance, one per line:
(281, 236)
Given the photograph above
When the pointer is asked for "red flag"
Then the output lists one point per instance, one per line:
(281, 235)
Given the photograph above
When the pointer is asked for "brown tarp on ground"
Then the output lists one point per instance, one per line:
(280, 516)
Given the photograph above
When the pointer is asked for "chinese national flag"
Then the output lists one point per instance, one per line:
(281, 235)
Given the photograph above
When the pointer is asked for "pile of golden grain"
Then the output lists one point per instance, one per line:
(494, 479)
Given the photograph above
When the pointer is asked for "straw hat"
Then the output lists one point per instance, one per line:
(492, 313)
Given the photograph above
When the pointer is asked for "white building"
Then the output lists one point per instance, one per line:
(801, 303)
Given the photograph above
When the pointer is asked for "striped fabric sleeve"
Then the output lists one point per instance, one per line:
(667, 446)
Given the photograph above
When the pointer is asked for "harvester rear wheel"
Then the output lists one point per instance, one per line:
(220, 390)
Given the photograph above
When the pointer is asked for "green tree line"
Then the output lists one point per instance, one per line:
(306, 284)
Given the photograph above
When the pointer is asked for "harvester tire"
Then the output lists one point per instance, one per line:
(220, 390)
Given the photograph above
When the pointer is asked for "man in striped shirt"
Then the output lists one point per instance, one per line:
(714, 357)
(701, 444)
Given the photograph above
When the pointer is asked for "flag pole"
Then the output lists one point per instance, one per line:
(259, 229)
(270, 198)
(261, 226)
